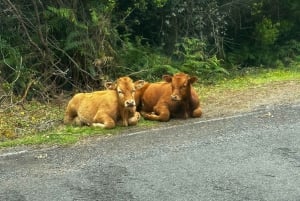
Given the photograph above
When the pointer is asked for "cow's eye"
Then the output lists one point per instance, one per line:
(120, 92)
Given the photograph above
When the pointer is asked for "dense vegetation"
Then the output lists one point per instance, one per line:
(50, 46)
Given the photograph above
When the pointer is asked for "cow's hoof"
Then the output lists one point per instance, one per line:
(98, 125)
(137, 116)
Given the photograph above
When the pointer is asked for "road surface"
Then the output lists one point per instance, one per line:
(251, 156)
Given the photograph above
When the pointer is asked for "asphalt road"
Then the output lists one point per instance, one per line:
(252, 156)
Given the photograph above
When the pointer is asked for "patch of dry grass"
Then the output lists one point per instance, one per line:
(17, 121)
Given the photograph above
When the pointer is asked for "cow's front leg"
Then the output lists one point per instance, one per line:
(161, 113)
(125, 122)
(132, 121)
(124, 117)
(197, 112)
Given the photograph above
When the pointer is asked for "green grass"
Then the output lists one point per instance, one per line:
(36, 113)
(65, 135)
(261, 77)
(249, 78)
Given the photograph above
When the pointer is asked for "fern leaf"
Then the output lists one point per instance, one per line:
(67, 14)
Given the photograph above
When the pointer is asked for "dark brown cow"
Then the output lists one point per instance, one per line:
(174, 98)
(105, 108)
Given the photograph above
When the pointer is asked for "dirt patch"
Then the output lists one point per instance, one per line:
(229, 102)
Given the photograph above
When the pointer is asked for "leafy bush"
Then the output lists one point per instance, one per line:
(86, 47)
(266, 32)
(141, 61)
(289, 52)
(193, 60)
(275, 56)
(15, 77)
(150, 64)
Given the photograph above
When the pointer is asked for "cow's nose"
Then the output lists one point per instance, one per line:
(175, 97)
(129, 103)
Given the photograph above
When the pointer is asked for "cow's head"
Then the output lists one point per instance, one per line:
(125, 89)
(181, 85)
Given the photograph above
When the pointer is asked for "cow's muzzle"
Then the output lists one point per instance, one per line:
(129, 103)
(175, 97)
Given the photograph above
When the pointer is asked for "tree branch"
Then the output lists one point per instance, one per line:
(19, 17)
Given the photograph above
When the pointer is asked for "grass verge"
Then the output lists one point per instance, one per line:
(35, 123)
(250, 90)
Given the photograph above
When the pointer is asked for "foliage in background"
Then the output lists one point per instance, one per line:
(191, 53)
(142, 61)
(263, 32)
(50, 47)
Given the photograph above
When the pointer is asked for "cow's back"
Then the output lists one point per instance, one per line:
(89, 104)
(139, 94)
(155, 93)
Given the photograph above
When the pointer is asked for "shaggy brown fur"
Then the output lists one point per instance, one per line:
(105, 108)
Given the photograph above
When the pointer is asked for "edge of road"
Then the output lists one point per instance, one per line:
(263, 111)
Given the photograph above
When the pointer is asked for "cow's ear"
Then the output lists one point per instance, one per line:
(167, 78)
(193, 79)
(139, 84)
(110, 85)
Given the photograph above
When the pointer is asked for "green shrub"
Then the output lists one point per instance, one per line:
(195, 61)
(266, 32)
(15, 75)
(141, 61)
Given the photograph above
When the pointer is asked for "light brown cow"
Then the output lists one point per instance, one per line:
(173, 98)
(105, 108)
